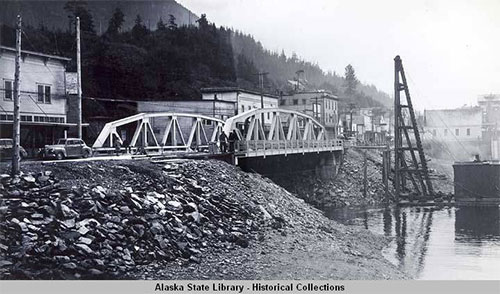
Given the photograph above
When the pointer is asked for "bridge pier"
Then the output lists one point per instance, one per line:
(323, 164)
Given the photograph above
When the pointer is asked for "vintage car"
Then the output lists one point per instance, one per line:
(6, 146)
(69, 147)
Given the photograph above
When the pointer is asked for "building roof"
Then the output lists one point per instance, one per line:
(233, 89)
(38, 54)
(454, 110)
(185, 101)
(489, 97)
(324, 94)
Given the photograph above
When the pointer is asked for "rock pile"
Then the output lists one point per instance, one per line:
(344, 189)
(50, 230)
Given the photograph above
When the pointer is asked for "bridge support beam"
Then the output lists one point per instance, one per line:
(323, 164)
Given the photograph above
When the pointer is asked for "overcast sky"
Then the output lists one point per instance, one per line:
(450, 48)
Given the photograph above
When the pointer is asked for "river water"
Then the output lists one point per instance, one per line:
(432, 243)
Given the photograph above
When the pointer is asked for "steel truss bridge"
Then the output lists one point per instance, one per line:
(259, 132)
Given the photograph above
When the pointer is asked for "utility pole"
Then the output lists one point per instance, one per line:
(16, 127)
(352, 106)
(297, 86)
(79, 77)
(213, 106)
(261, 80)
(316, 109)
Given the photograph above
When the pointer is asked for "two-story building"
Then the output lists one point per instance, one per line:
(321, 105)
(244, 100)
(490, 104)
(43, 100)
(457, 132)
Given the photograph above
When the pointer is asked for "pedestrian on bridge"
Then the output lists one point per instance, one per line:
(118, 146)
(233, 137)
(223, 142)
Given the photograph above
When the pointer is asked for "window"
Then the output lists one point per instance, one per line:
(26, 118)
(457, 132)
(268, 116)
(44, 94)
(7, 117)
(47, 94)
(282, 102)
(468, 132)
(304, 101)
(446, 132)
(295, 101)
(40, 93)
(242, 108)
(8, 88)
(48, 119)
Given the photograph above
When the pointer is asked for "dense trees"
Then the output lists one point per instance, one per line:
(174, 62)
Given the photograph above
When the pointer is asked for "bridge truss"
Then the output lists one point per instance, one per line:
(275, 131)
(162, 131)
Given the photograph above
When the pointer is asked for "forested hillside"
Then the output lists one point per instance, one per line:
(48, 12)
(282, 68)
(172, 61)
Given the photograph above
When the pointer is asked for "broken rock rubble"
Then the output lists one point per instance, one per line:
(50, 230)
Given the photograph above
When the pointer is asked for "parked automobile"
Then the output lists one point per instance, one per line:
(70, 147)
(6, 146)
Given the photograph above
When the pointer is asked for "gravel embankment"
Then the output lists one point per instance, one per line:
(178, 220)
(346, 188)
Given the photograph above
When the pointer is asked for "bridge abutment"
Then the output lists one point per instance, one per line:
(323, 164)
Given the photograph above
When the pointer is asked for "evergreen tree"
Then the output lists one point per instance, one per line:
(79, 9)
(161, 25)
(171, 22)
(116, 22)
(139, 31)
(203, 22)
(351, 81)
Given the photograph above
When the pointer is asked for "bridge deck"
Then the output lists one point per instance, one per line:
(261, 148)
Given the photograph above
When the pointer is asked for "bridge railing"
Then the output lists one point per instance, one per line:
(269, 147)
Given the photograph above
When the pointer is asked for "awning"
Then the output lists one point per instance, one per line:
(44, 124)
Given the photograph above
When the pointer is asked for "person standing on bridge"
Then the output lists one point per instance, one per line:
(223, 142)
(118, 146)
(233, 137)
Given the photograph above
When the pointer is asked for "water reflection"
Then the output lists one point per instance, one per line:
(435, 243)
(476, 223)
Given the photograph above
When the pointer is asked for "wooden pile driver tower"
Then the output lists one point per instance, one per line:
(405, 123)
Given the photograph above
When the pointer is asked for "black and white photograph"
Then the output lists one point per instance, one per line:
(259, 140)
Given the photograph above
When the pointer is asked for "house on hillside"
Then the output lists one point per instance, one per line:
(43, 104)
